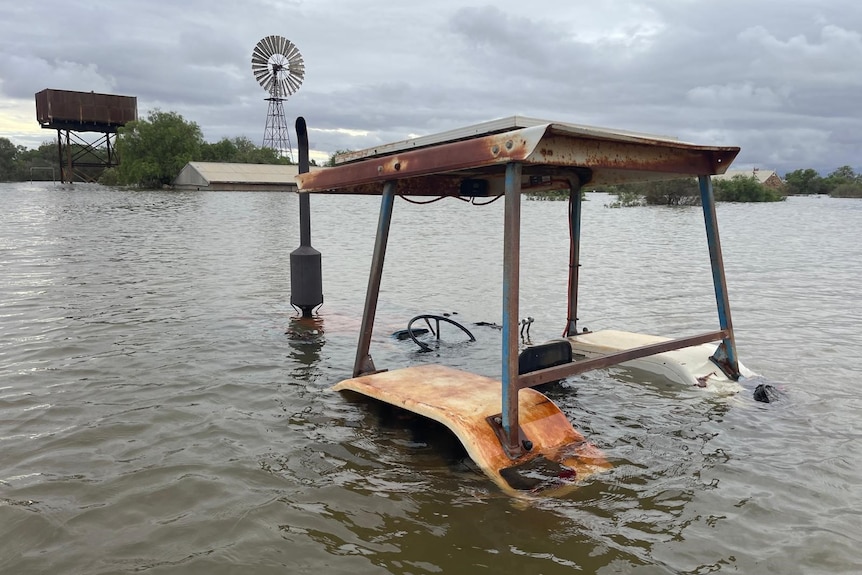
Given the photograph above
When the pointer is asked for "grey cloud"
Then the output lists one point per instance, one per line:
(781, 79)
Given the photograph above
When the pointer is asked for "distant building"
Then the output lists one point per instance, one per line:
(218, 176)
(767, 178)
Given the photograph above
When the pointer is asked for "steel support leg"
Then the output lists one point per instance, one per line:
(574, 254)
(725, 356)
(364, 363)
(511, 269)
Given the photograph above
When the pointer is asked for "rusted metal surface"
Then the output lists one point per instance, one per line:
(464, 401)
(574, 256)
(607, 157)
(502, 424)
(511, 290)
(561, 371)
(363, 362)
(84, 111)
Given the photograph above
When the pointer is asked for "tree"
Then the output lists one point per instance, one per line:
(844, 174)
(679, 192)
(8, 160)
(153, 151)
(331, 161)
(847, 190)
(844, 183)
(804, 182)
(222, 151)
(744, 189)
(240, 150)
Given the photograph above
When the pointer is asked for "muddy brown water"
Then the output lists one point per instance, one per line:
(162, 410)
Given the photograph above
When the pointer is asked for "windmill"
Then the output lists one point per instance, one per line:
(278, 67)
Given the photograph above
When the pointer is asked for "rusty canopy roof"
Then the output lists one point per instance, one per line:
(438, 165)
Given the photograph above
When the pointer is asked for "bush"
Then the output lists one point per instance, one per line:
(679, 192)
(744, 189)
(110, 177)
(847, 190)
(626, 199)
(154, 150)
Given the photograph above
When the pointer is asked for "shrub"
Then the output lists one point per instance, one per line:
(744, 189)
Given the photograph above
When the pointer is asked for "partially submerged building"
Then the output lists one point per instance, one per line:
(230, 177)
(767, 178)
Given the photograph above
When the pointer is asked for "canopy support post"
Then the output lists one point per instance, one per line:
(511, 286)
(725, 356)
(574, 254)
(363, 362)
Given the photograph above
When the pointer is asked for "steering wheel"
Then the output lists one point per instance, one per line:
(437, 319)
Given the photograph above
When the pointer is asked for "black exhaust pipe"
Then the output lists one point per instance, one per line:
(306, 279)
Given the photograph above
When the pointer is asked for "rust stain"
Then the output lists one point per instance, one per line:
(69, 107)
(609, 157)
(462, 401)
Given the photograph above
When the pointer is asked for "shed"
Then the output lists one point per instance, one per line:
(228, 177)
(767, 178)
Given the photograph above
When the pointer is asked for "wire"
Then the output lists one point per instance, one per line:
(437, 199)
(485, 203)
(421, 203)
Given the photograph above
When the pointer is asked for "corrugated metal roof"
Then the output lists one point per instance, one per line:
(758, 174)
(442, 165)
(228, 173)
(485, 129)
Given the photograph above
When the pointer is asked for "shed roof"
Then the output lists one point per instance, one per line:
(208, 173)
(758, 174)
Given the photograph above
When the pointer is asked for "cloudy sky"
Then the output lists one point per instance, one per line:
(782, 79)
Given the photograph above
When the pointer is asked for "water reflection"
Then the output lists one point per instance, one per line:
(307, 338)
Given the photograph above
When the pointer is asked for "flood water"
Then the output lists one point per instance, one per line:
(162, 410)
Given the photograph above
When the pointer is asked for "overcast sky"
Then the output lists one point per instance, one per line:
(782, 79)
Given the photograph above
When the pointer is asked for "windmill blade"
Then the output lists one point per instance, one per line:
(274, 45)
(260, 53)
(267, 44)
(292, 51)
(264, 78)
(283, 45)
(293, 83)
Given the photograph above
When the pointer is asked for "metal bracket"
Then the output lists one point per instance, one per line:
(722, 360)
(367, 367)
(512, 452)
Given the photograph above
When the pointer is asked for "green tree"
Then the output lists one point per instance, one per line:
(240, 150)
(679, 192)
(331, 161)
(843, 174)
(843, 183)
(744, 189)
(153, 151)
(8, 160)
(16, 161)
(804, 182)
(222, 151)
(847, 190)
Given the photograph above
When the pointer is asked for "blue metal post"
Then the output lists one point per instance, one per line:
(725, 357)
(363, 362)
(511, 269)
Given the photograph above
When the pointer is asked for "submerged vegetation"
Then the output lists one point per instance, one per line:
(842, 183)
(154, 150)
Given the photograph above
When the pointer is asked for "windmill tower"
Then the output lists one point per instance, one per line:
(279, 69)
